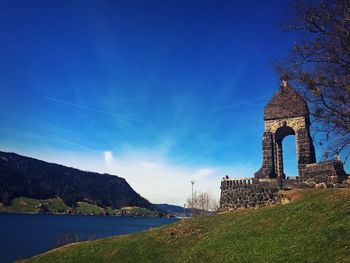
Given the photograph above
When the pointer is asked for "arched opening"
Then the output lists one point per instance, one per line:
(283, 151)
(290, 163)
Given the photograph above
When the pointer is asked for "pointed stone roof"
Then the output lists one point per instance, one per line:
(286, 103)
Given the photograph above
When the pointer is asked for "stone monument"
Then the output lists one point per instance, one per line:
(285, 114)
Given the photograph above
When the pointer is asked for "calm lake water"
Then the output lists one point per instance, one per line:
(23, 236)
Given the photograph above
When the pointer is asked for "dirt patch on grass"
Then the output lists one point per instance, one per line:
(113, 252)
(339, 194)
(266, 222)
(23, 202)
(182, 232)
(288, 196)
(128, 208)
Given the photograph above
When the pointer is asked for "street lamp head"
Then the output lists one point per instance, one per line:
(192, 182)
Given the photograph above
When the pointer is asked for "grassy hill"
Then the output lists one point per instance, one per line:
(86, 208)
(57, 206)
(314, 228)
(22, 176)
(30, 205)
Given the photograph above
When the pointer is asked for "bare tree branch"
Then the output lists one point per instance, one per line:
(319, 66)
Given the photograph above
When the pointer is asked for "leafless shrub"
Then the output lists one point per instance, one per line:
(202, 203)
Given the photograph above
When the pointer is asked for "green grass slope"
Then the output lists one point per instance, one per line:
(24, 205)
(86, 208)
(315, 228)
(55, 205)
(30, 205)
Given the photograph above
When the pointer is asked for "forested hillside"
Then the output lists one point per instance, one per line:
(27, 177)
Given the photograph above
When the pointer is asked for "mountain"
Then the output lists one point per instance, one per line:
(22, 176)
(172, 209)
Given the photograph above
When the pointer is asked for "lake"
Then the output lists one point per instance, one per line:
(25, 235)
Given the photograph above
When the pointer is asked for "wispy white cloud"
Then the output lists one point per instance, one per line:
(203, 173)
(151, 173)
(108, 158)
(162, 181)
(92, 109)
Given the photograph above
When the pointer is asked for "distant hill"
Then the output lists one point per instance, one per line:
(172, 209)
(22, 176)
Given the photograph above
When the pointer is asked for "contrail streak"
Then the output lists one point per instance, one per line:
(91, 109)
(74, 144)
(112, 100)
(237, 104)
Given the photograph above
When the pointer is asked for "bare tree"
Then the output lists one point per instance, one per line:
(319, 67)
(202, 204)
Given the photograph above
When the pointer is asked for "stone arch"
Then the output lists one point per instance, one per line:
(283, 132)
(279, 136)
(285, 114)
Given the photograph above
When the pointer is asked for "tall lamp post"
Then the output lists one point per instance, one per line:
(192, 182)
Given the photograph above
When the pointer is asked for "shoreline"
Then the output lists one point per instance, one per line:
(75, 214)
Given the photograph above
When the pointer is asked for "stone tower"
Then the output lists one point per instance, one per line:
(285, 114)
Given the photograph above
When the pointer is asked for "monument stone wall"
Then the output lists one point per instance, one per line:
(285, 114)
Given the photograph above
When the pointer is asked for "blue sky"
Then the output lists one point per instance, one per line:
(157, 92)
